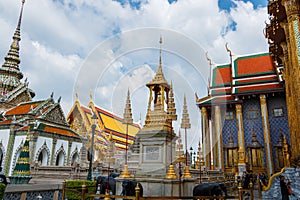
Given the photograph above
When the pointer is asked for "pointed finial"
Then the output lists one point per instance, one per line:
(91, 95)
(228, 50)
(76, 94)
(196, 95)
(160, 47)
(58, 101)
(51, 96)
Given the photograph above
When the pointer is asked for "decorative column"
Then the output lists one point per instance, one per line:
(171, 111)
(32, 144)
(10, 145)
(53, 151)
(205, 137)
(219, 138)
(69, 150)
(266, 129)
(292, 27)
(127, 120)
(185, 124)
(241, 140)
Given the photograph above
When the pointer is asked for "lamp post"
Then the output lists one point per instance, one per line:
(94, 118)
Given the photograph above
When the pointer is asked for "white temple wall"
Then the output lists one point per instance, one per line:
(4, 137)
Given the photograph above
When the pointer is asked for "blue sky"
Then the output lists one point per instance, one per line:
(60, 38)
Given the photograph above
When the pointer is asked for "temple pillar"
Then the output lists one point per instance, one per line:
(292, 79)
(219, 140)
(69, 151)
(10, 145)
(205, 137)
(53, 151)
(214, 140)
(267, 138)
(32, 145)
(241, 140)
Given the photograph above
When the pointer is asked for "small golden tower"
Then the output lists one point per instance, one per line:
(127, 120)
(185, 124)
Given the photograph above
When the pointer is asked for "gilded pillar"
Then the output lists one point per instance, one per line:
(292, 31)
(267, 137)
(241, 139)
(53, 150)
(206, 137)
(219, 140)
(214, 140)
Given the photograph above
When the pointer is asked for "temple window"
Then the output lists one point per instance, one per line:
(277, 112)
(229, 115)
(231, 153)
(252, 114)
(279, 153)
(43, 157)
(60, 159)
(255, 152)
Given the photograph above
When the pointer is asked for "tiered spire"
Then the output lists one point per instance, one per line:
(185, 121)
(10, 74)
(159, 78)
(127, 120)
(127, 111)
(179, 146)
(185, 124)
(171, 110)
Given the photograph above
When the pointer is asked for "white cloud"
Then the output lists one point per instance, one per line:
(57, 39)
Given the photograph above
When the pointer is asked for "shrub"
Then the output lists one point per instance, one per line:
(77, 185)
(2, 190)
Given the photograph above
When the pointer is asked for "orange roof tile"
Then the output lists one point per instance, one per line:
(22, 109)
(254, 65)
(221, 75)
(59, 131)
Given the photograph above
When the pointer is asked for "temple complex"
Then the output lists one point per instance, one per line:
(244, 117)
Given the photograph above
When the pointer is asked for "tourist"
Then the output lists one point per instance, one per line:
(284, 188)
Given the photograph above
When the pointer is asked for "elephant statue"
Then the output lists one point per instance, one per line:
(210, 189)
(105, 183)
(128, 188)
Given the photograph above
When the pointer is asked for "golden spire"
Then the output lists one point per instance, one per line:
(10, 69)
(185, 120)
(171, 110)
(91, 96)
(159, 78)
(127, 111)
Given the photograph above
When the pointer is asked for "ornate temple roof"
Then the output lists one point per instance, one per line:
(44, 116)
(80, 119)
(246, 75)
